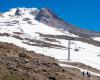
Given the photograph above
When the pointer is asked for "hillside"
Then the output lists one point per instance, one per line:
(18, 64)
(28, 29)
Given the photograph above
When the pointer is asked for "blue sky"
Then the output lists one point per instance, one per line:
(81, 13)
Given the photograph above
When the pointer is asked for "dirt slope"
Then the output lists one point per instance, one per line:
(19, 64)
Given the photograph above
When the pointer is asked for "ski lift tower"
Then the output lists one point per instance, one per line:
(69, 44)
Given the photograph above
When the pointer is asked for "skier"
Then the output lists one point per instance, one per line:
(88, 75)
(83, 73)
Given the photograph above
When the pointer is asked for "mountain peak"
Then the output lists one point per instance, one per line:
(49, 18)
(18, 12)
(21, 11)
(46, 16)
(46, 13)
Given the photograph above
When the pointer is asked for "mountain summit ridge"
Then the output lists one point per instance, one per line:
(48, 17)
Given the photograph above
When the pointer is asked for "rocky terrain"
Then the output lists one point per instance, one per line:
(47, 16)
(19, 64)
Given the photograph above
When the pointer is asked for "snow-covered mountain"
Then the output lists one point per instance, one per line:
(48, 17)
(45, 33)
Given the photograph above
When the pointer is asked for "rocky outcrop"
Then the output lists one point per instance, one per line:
(18, 12)
(48, 17)
(1, 15)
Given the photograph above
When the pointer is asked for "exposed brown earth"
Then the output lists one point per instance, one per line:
(19, 64)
